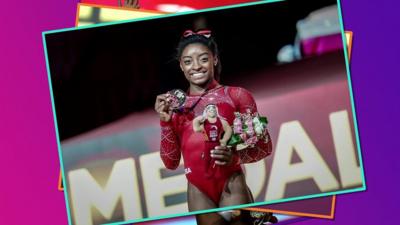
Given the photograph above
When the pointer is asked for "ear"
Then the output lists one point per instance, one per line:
(180, 65)
(215, 61)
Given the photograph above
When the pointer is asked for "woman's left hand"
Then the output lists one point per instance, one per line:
(222, 155)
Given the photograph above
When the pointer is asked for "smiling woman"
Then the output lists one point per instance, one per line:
(213, 169)
(197, 64)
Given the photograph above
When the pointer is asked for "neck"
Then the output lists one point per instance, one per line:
(200, 89)
(212, 119)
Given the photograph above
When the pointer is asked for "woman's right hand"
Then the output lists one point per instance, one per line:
(162, 108)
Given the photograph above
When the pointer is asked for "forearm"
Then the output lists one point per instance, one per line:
(245, 104)
(197, 124)
(169, 147)
(227, 133)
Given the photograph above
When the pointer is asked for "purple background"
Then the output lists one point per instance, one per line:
(29, 162)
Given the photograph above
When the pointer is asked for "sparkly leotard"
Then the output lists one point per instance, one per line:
(178, 138)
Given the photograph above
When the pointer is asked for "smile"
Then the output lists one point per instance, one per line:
(196, 75)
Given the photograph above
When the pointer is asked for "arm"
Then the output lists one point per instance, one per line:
(169, 147)
(243, 101)
(198, 124)
(262, 149)
(221, 154)
(227, 133)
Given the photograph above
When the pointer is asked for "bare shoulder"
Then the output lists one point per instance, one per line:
(224, 122)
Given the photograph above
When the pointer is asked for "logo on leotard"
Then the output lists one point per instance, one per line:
(213, 133)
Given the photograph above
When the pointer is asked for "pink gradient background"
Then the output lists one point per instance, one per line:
(29, 165)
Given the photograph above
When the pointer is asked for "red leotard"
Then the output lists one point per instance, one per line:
(178, 137)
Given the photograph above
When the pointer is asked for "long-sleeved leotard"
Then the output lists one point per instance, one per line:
(178, 138)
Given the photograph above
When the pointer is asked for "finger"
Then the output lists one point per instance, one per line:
(161, 97)
(220, 157)
(220, 147)
(220, 163)
(220, 152)
(160, 107)
(166, 107)
(164, 114)
(162, 104)
(157, 103)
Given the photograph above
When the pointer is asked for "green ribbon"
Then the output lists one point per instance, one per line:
(235, 140)
(264, 120)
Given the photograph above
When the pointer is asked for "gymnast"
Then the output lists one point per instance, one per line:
(212, 167)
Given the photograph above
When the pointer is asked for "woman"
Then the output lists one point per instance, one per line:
(198, 58)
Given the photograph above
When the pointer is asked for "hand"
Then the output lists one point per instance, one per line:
(222, 155)
(202, 119)
(162, 107)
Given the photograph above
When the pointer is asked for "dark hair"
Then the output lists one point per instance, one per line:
(200, 39)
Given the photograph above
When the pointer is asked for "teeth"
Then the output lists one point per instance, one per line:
(197, 74)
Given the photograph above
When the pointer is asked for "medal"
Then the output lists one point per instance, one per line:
(176, 99)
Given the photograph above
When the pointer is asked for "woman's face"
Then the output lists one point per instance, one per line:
(197, 63)
(211, 112)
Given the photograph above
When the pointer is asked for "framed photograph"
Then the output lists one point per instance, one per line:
(133, 149)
